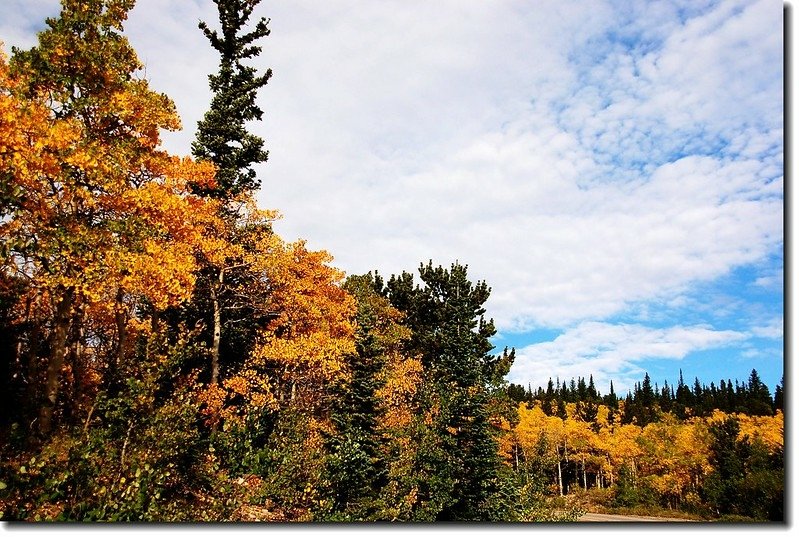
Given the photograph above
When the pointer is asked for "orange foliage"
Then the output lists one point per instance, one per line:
(313, 330)
(90, 215)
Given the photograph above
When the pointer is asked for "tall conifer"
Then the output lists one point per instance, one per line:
(222, 136)
(451, 336)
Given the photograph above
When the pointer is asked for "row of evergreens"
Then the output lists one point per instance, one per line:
(644, 403)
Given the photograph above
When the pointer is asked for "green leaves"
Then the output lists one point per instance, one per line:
(451, 335)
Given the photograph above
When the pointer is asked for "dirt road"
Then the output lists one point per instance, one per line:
(601, 517)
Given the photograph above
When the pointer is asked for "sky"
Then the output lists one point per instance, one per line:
(613, 170)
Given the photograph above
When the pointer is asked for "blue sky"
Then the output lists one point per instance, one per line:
(613, 170)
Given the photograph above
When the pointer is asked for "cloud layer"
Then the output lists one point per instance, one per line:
(614, 352)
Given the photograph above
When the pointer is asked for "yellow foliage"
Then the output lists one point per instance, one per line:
(313, 329)
(401, 379)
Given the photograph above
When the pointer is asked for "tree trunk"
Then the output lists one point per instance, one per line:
(63, 311)
(121, 321)
(75, 355)
(32, 388)
(560, 478)
(217, 328)
(585, 478)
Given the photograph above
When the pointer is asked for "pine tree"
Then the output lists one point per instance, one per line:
(700, 399)
(758, 400)
(592, 392)
(582, 390)
(561, 409)
(665, 397)
(451, 335)
(683, 399)
(222, 136)
(611, 400)
(647, 393)
(223, 139)
(355, 470)
(779, 397)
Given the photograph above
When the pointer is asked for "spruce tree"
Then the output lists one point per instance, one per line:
(451, 336)
(647, 394)
(593, 394)
(355, 470)
(611, 399)
(222, 136)
(779, 396)
(758, 400)
(560, 411)
(684, 399)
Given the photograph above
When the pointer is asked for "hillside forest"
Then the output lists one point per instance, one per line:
(166, 356)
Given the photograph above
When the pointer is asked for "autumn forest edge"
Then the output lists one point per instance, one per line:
(167, 356)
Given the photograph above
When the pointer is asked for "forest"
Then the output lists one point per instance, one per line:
(166, 356)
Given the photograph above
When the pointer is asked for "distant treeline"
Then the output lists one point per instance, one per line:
(645, 403)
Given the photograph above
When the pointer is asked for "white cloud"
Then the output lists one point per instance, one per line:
(19, 22)
(771, 330)
(772, 279)
(612, 352)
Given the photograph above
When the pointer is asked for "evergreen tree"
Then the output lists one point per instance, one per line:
(741, 397)
(746, 480)
(664, 400)
(683, 398)
(223, 139)
(758, 401)
(354, 469)
(647, 393)
(592, 392)
(721, 398)
(560, 410)
(700, 399)
(711, 397)
(222, 136)
(732, 401)
(517, 392)
(549, 398)
(550, 389)
(779, 397)
(611, 400)
(451, 336)
(582, 390)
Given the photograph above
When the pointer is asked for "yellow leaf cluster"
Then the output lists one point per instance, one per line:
(112, 222)
(401, 379)
(312, 331)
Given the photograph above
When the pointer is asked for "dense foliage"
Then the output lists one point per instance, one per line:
(711, 464)
(166, 356)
